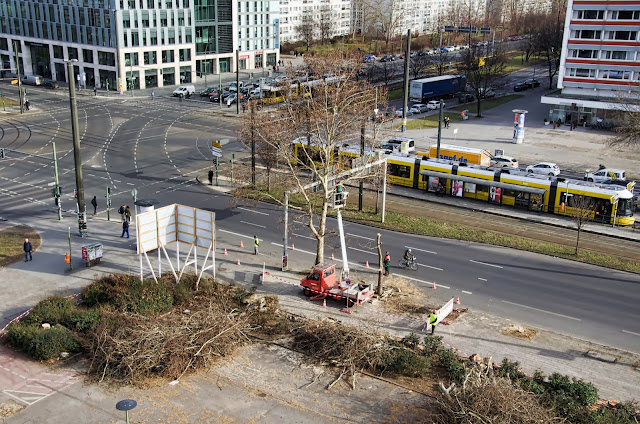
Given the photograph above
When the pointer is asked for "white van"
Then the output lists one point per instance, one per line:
(395, 144)
(32, 79)
(606, 175)
(185, 90)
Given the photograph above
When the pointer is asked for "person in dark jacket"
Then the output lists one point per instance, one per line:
(125, 228)
(28, 248)
(94, 203)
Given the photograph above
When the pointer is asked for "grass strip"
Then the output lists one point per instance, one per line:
(399, 221)
(11, 243)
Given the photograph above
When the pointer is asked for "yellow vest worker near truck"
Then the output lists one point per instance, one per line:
(433, 320)
(256, 244)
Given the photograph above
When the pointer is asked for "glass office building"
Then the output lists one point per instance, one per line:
(125, 44)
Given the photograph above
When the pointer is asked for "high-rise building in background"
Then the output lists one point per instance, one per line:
(323, 18)
(130, 44)
(600, 61)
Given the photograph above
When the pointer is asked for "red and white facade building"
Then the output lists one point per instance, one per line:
(600, 62)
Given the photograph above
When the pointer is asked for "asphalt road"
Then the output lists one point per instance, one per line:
(159, 147)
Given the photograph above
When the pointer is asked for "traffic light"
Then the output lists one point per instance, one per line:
(339, 196)
(1, 153)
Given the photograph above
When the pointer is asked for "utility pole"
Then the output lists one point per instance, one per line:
(238, 82)
(285, 239)
(361, 185)
(108, 196)
(405, 102)
(380, 264)
(20, 95)
(439, 131)
(57, 186)
(82, 213)
(253, 144)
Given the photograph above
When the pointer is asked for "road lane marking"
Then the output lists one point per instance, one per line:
(421, 250)
(631, 332)
(362, 237)
(421, 281)
(255, 225)
(541, 310)
(482, 279)
(300, 235)
(291, 250)
(363, 251)
(235, 234)
(251, 210)
(466, 292)
(484, 263)
(429, 266)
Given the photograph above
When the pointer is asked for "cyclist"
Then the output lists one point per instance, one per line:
(408, 256)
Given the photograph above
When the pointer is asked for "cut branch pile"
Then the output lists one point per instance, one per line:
(130, 348)
(484, 398)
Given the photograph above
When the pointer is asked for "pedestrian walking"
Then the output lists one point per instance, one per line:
(27, 104)
(95, 91)
(121, 212)
(28, 248)
(256, 244)
(180, 97)
(125, 228)
(94, 203)
(387, 264)
(244, 107)
(153, 95)
(433, 320)
(446, 122)
(127, 214)
(210, 175)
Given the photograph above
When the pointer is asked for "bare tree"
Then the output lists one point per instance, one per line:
(441, 61)
(628, 123)
(317, 123)
(582, 210)
(306, 31)
(326, 24)
(482, 71)
(419, 65)
(548, 41)
(388, 17)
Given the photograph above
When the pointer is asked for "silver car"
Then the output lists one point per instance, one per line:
(545, 168)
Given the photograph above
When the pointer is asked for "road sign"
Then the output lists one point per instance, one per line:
(216, 149)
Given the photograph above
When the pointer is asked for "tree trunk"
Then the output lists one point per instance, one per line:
(380, 265)
(578, 240)
(268, 179)
(321, 232)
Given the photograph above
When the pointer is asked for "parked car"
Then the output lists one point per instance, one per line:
(369, 58)
(398, 56)
(413, 54)
(435, 104)
(208, 91)
(444, 50)
(532, 83)
(49, 83)
(545, 168)
(32, 79)
(465, 98)
(185, 90)
(387, 58)
(606, 175)
(399, 112)
(504, 162)
(419, 108)
(520, 87)
(486, 93)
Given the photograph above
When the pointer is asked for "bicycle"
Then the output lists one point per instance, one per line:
(409, 264)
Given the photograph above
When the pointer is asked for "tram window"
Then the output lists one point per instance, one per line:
(482, 188)
(507, 192)
(624, 207)
(402, 171)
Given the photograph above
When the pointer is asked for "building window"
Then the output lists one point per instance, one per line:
(57, 52)
(615, 54)
(581, 72)
(620, 75)
(106, 58)
(135, 40)
(626, 14)
(623, 35)
(584, 54)
(131, 59)
(588, 34)
(168, 56)
(150, 58)
(87, 55)
(590, 14)
(72, 52)
(126, 22)
(151, 4)
(145, 19)
(185, 55)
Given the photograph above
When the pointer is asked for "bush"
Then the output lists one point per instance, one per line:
(412, 341)
(128, 293)
(84, 320)
(405, 361)
(568, 396)
(52, 310)
(452, 363)
(49, 344)
(39, 342)
(432, 344)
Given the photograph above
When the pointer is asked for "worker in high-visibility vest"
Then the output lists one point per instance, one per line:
(433, 320)
(256, 244)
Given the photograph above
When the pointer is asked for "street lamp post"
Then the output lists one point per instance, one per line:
(82, 212)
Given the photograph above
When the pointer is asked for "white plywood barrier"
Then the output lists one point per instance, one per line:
(177, 224)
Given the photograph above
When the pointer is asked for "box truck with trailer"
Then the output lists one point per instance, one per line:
(425, 89)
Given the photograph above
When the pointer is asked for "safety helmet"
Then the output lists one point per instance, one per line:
(409, 250)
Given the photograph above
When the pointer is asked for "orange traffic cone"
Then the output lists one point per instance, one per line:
(366, 265)
(293, 246)
(241, 244)
(238, 262)
(225, 251)
(434, 285)
(324, 303)
(457, 302)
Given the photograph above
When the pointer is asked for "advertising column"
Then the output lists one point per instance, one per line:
(518, 125)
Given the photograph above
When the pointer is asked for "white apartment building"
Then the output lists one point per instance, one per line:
(136, 44)
(336, 14)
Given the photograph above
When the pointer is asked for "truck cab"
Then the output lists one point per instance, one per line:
(322, 283)
(321, 279)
